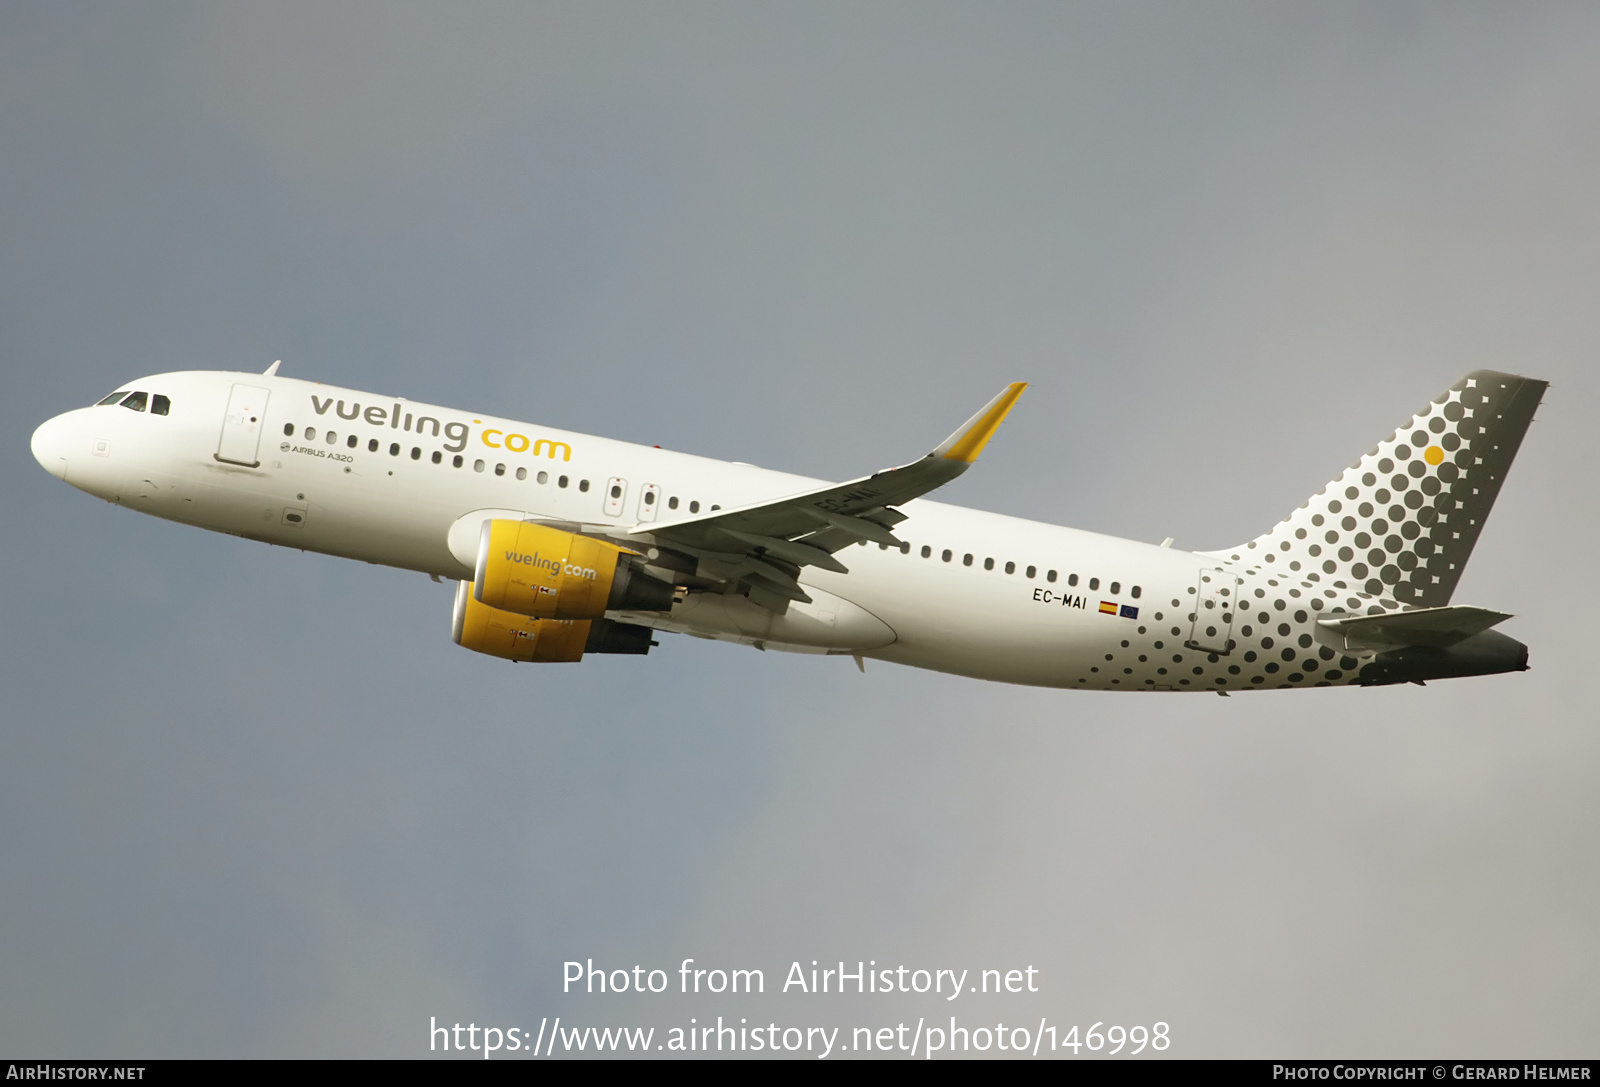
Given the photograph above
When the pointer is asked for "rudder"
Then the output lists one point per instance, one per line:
(1402, 521)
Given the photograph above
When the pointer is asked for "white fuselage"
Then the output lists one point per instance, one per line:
(385, 480)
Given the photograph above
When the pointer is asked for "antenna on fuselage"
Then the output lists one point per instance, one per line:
(273, 369)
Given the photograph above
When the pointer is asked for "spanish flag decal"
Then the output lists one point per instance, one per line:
(1107, 608)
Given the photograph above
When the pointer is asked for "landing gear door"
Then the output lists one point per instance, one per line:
(241, 426)
(1216, 601)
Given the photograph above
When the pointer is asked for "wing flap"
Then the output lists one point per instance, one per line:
(859, 528)
(799, 553)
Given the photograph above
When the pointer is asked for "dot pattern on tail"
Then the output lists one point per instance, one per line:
(1402, 521)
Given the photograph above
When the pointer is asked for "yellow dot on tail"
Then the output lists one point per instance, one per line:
(1433, 454)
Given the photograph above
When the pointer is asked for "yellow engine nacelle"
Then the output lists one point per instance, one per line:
(513, 637)
(542, 572)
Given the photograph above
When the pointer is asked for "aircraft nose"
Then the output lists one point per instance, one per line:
(50, 446)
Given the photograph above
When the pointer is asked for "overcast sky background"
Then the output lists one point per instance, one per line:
(254, 802)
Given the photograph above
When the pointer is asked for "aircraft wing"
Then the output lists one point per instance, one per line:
(771, 541)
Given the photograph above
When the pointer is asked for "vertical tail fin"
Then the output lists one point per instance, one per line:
(1401, 522)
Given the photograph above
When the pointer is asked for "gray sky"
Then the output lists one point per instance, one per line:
(253, 802)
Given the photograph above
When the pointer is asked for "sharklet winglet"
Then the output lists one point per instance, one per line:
(966, 443)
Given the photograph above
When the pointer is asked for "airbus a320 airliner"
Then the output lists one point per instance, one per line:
(565, 544)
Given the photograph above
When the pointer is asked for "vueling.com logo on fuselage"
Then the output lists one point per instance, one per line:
(455, 433)
(518, 443)
(555, 566)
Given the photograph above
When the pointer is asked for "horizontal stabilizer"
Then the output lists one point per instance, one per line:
(1438, 627)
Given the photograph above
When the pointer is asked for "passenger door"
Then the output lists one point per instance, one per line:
(241, 426)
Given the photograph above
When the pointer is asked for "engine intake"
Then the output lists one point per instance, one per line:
(513, 637)
(542, 572)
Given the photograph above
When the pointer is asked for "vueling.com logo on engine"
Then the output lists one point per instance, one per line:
(555, 566)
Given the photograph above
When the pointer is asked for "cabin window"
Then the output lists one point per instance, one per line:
(160, 405)
(583, 485)
(354, 441)
(1011, 567)
(672, 503)
(522, 473)
(1072, 579)
(1051, 576)
(542, 477)
(499, 469)
(416, 453)
(1134, 592)
(1033, 571)
(988, 564)
(309, 432)
(372, 445)
(1116, 587)
(905, 548)
(946, 555)
(477, 466)
(115, 398)
(715, 506)
(649, 497)
(394, 449)
(457, 460)
(616, 490)
(288, 430)
(331, 437)
(694, 507)
(1094, 583)
(135, 402)
(966, 560)
(438, 457)
(927, 552)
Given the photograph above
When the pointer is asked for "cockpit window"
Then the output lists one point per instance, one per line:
(135, 402)
(160, 405)
(113, 398)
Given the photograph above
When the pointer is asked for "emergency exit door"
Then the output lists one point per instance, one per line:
(616, 494)
(649, 502)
